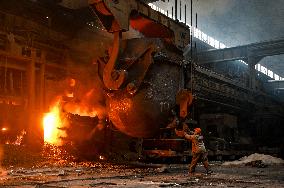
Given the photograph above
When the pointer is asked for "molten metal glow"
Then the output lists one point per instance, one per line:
(4, 129)
(51, 124)
(55, 121)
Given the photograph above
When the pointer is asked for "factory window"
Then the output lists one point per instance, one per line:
(217, 43)
(211, 41)
(270, 73)
(266, 71)
(222, 45)
(204, 37)
(197, 33)
(258, 67)
(263, 70)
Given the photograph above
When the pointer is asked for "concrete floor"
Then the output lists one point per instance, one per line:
(56, 168)
(103, 174)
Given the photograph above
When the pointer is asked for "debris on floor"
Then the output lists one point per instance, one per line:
(55, 167)
(256, 160)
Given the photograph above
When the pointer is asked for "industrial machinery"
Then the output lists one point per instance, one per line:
(142, 76)
(139, 86)
(147, 77)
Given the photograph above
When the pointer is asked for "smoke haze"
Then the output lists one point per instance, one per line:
(238, 22)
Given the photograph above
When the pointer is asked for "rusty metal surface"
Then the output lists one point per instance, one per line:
(144, 113)
(136, 58)
(110, 81)
(140, 114)
(142, 104)
(184, 100)
(142, 67)
(160, 153)
(142, 18)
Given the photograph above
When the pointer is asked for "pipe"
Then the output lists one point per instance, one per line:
(175, 9)
(42, 82)
(196, 20)
(185, 13)
(191, 64)
(31, 80)
(180, 10)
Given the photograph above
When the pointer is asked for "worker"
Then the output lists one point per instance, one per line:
(199, 152)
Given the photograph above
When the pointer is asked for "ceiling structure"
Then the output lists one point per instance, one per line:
(237, 22)
(232, 22)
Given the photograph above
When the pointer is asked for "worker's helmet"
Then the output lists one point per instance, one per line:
(197, 130)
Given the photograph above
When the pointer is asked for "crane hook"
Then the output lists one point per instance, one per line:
(112, 78)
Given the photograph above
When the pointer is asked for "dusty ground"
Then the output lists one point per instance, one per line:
(58, 172)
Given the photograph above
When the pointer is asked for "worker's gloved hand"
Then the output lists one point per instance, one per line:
(179, 133)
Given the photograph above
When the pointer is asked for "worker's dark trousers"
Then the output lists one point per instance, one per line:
(196, 157)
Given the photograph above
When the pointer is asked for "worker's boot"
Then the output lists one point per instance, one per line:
(209, 171)
(191, 172)
(206, 165)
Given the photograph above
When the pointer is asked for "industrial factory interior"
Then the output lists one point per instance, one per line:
(141, 93)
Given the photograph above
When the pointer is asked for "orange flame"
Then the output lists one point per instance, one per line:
(52, 123)
(54, 120)
(83, 108)
(80, 109)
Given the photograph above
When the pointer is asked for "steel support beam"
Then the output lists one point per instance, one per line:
(275, 84)
(252, 72)
(34, 130)
(256, 51)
